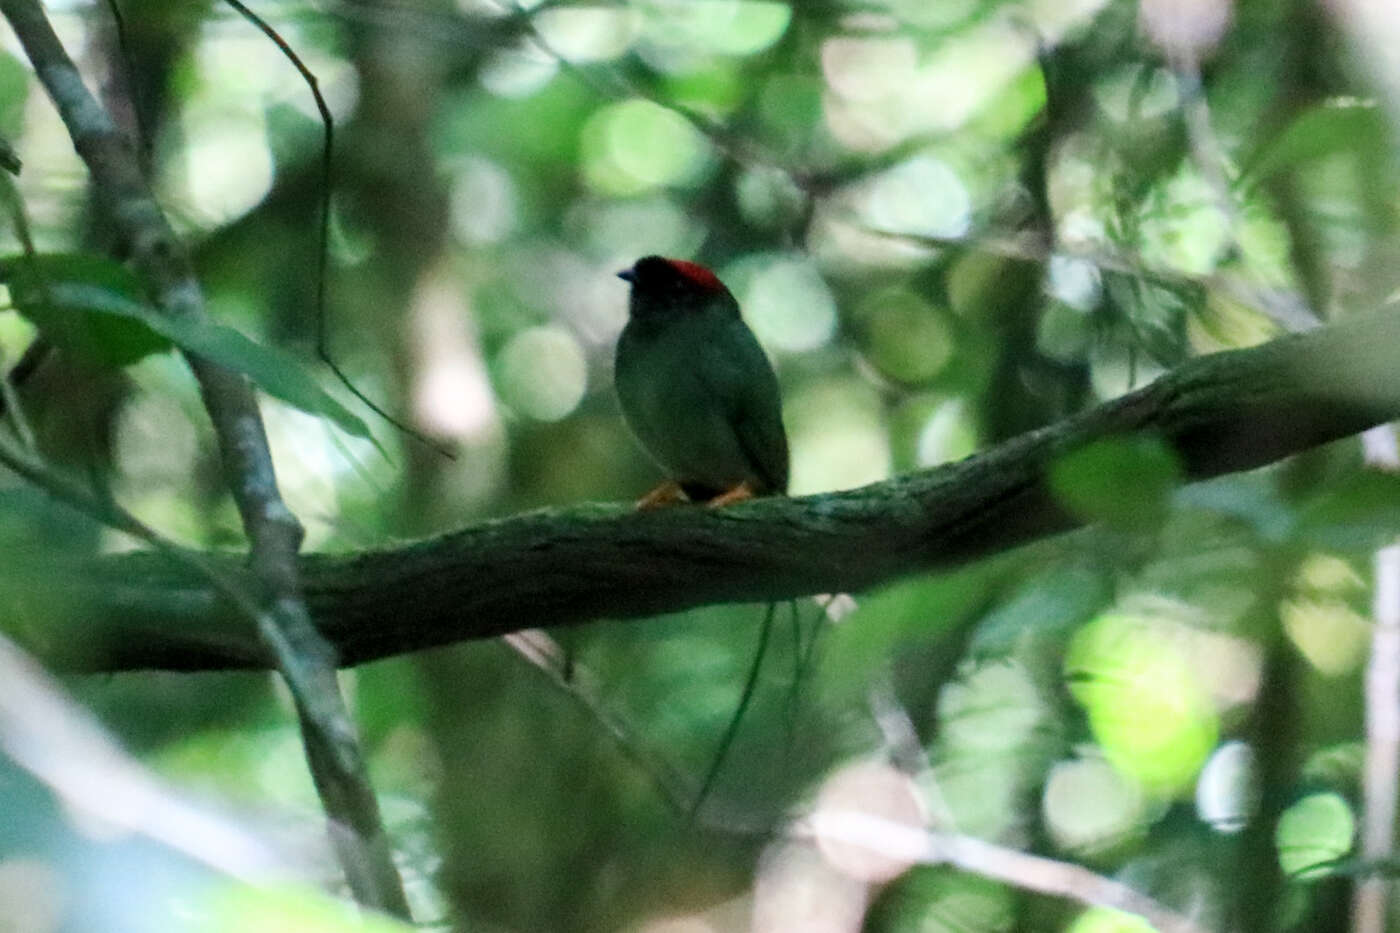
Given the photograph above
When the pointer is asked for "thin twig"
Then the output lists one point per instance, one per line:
(138, 114)
(305, 659)
(323, 346)
(1285, 308)
(1036, 873)
(765, 631)
(581, 685)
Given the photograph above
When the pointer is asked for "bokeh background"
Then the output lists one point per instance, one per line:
(948, 223)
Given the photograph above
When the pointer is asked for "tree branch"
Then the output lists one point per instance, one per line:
(283, 630)
(1221, 413)
(902, 842)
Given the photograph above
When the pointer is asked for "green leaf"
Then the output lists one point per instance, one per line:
(275, 372)
(921, 608)
(95, 306)
(1046, 606)
(1246, 498)
(1124, 482)
(1358, 513)
(1108, 920)
(87, 305)
(1340, 125)
(1313, 832)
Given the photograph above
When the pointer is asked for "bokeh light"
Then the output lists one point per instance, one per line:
(227, 167)
(785, 300)
(587, 33)
(1145, 703)
(1317, 829)
(1090, 806)
(1108, 920)
(717, 27)
(636, 145)
(837, 435)
(922, 196)
(905, 336)
(1319, 617)
(542, 373)
(483, 202)
(1227, 792)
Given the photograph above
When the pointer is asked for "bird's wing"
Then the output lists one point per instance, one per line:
(737, 371)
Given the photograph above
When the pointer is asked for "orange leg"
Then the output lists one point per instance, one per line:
(668, 493)
(738, 494)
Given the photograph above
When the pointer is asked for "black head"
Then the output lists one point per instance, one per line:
(661, 285)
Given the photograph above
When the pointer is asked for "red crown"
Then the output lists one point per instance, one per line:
(697, 274)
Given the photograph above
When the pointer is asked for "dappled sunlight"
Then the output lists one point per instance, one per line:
(786, 301)
(798, 888)
(542, 373)
(948, 434)
(868, 788)
(837, 437)
(959, 232)
(1091, 808)
(636, 145)
(453, 397)
(1321, 615)
(587, 34)
(1227, 792)
(519, 71)
(1149, 703)
(483, 202)
(33, 895)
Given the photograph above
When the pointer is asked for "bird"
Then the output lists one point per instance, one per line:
(696, 388)
(701, 397)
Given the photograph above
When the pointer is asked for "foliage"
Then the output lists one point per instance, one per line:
(947, 223)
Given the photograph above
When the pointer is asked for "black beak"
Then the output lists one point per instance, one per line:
(627, 276)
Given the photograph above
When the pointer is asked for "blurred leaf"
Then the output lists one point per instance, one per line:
(275, 372)
(95, 306)
(1341, 125)
(1124, 482)
(88, 305)
(225, 908)
(14, 93)
(1360, 512)
(919, 608)
(1146, 705)
(1337, 766)
(1243, 497)
(935, 900)
(1315, 830)
(1007, 114)
(1046, 605)
(1155, 315)
(1108, 920)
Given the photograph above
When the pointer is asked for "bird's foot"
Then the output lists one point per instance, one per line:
(668, 493)
(738, 494)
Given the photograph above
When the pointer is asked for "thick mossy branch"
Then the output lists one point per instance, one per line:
(1221, 413)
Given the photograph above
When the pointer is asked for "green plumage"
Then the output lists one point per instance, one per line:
(695, 386)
